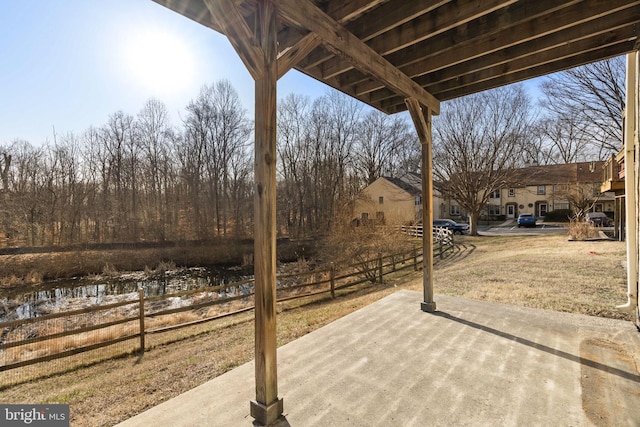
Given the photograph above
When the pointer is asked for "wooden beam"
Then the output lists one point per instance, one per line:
(350, 9)
(542, 58)
(382, 19)
(342, 11)
(422, 123)
(385, 39)
(267, 407)
(552, 67)
(290, 57)
(551, 47)
(233, 25)
(529, 30)
(303, 13)
(501, 28)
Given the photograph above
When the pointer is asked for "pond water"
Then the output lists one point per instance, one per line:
(48, 297)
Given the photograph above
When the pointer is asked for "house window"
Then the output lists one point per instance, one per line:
(455, 210)
(542, 190)
(380, 200)
(495, 194)
(563, 206)
(364, 216)
(418, 200)
(380, 216)
(494, 209)
(512, 192)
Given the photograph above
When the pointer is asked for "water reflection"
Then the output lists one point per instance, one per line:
(45, 298)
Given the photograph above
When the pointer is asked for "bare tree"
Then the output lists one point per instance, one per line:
(5, 164)
(334, 120)
(156, 138)
(567, 139)
(381, 142)
(27, 187)
(582, 197)
(231, 135)
(537, 150)
(192, 157)
(593, 97)
(121, 152)
(477, 142)
(295, 163)
(216, 130)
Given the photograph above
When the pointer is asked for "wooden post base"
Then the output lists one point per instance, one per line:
(267, 414)
(428, 307)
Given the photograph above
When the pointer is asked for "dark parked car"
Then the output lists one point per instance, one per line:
(597, 218)
(526, 220)
(455, 227)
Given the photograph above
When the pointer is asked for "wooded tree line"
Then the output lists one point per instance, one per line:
(140, 177)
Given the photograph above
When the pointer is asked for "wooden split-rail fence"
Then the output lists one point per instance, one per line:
(442, 237)
(114, 329)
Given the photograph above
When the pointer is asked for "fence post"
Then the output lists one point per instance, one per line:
(441, 250)
(332, 276)
(141, 292)
(380, 266)
(415, 259)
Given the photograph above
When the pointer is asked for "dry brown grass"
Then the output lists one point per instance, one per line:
(548, 272)
(545, 272)
(581, 230)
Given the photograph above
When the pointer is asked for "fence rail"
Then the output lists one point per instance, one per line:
(442, 237)
(42, 339)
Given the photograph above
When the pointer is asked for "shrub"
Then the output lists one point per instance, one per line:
(559, 215)
(581, 230)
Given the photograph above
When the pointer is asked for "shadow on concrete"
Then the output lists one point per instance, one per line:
(281, 422)
(577, 359)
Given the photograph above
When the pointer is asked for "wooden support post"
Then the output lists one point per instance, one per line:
(141, 308)
(332, 278)
(267, 408)
(636, 143)
(422, 123)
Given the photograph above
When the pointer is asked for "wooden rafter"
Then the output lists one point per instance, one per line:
(304, 14)
(423, 27)
(233, 25)
(290, 57)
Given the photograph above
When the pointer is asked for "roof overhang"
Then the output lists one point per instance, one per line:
(385, 51)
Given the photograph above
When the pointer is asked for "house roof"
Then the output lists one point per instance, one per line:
(384, 51)
(584, 172)
(410, 182)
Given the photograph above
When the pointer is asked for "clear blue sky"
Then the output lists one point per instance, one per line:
(69, 64)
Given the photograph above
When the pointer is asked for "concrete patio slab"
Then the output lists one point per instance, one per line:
(471, 363)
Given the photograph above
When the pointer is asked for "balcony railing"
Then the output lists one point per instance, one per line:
(613, 175)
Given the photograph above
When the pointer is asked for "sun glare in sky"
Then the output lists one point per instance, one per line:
(159, 60)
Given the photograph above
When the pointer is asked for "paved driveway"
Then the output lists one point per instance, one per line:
(511, 228)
